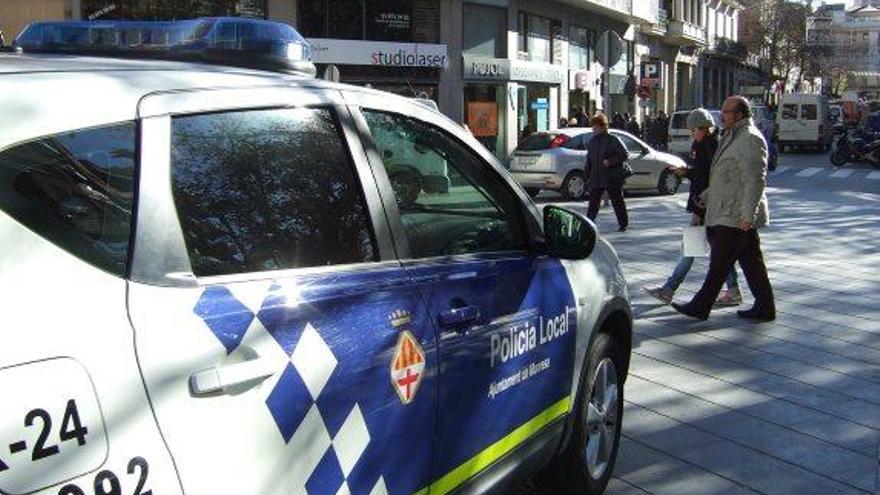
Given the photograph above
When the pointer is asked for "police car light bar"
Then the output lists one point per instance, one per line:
(250, 43)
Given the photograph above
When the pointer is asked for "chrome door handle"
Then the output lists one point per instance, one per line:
(224, 377)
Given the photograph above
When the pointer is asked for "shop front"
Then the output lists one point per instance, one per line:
(505, 100)
(407, 69)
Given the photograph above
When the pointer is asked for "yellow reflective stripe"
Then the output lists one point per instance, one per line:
(497, 450)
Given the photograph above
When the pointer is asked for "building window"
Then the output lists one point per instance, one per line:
(377, 20)
(484, 30)
(160, 11)
(534, 40)
(580, 49)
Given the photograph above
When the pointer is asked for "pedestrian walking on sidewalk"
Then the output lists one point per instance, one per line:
(736, 207)
(606, 156)
(703, 150)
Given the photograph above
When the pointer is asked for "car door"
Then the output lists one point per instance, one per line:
(789, 124)
(284, 347)
(506, 316)
(644, 167)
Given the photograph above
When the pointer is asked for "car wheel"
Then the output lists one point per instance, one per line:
(586, 465)
(669, 183)
(574, 186)
(533, 191)
(407, 186)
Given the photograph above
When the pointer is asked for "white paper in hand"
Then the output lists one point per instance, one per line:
(694, 243)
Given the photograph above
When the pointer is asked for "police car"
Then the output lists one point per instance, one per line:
(209, 285)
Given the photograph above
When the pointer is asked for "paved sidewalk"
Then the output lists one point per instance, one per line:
(726, 406)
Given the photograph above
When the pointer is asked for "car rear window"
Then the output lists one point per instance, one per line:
(537, 142)
(789, 112)
(679, 120)
(809, 112)
(75, 189)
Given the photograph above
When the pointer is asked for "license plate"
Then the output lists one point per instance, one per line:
(527, 161)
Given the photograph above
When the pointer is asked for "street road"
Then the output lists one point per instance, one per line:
(789, 407)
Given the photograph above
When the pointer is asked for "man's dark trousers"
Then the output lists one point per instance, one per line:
(615, 194)
(730, 245)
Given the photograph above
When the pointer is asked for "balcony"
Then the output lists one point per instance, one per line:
(659, 24)
(727, 48)
(685, 33)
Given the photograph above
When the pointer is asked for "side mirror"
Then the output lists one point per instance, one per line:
(568, 235)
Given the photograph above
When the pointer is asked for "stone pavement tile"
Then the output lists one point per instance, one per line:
(660, 432)
(817, 456)
(655, 364)
(741, 348)
(619, 487)
(658, 473)
(762, 472)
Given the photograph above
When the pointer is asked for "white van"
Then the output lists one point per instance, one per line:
(804, 120)
(680, 136)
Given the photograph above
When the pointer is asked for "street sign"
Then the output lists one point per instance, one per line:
(609, 48)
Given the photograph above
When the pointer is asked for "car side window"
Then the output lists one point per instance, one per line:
(632, 146)
(75, 189)
(450, 201)
(265, 190)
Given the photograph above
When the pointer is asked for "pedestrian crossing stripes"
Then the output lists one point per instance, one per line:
(820, 173)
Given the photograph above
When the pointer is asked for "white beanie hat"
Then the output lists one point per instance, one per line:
(700, 118)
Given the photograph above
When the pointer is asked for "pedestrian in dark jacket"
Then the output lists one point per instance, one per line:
(702, 153)
(633, 127)
(606, 156)
(583, 120)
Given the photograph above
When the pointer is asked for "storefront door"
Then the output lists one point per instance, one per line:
(533, 103)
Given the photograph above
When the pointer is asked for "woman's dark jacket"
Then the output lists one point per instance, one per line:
(605, 146)
(702, 153)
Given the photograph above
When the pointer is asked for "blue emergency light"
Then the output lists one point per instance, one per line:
(251, 43)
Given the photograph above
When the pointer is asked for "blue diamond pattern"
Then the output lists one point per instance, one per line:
(327, 477)
(227, 318)
(289, 402)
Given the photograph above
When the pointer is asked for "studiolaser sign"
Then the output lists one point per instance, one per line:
(379, 53)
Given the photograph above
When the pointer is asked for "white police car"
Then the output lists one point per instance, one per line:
(210, 287)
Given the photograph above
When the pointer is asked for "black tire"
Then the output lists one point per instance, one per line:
(533, 191)
(569, 473)
(839, 158)
(569, 187)
(664, 185)
(407, 186)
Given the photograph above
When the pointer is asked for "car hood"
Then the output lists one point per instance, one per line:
(671, 159)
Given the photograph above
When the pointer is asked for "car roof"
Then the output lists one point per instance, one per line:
(56, 93)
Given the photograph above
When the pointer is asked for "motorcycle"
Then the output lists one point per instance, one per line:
(856, 148)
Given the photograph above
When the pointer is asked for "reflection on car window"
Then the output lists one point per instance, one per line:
(76, 190)
(789, 112)
(267, 190)
(450, 201)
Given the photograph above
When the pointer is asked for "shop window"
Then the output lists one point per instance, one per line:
(484, 30)
(377, 20)
(152, 11)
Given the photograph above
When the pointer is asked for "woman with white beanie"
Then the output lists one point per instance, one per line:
(705, 135)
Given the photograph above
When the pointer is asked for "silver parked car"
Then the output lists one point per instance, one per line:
(555, 161)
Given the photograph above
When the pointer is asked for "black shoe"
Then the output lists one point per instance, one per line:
(756, 314)
(688, 310)
(622, 229)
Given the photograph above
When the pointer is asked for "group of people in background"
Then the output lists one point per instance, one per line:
(654, 130)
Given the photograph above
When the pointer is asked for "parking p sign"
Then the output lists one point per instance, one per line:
(651, 73)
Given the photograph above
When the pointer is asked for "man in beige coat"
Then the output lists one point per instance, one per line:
(736, 208)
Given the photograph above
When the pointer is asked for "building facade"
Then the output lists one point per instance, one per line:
(852, 41)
